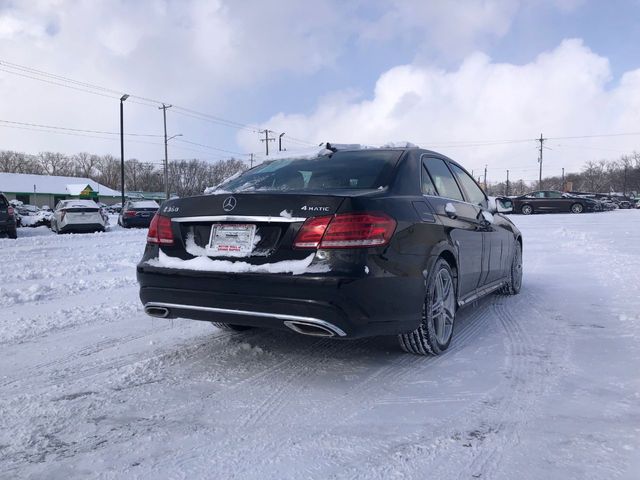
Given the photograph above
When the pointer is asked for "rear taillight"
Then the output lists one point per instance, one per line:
(160, 231)
(129, 213)
(310, 235)
(346, 230)
(10, 211)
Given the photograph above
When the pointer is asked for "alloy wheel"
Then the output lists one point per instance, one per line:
(443, 306)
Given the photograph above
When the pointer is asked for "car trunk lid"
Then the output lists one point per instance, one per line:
(258, 227)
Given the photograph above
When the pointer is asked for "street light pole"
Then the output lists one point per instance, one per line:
(122, 99)
(280, 142)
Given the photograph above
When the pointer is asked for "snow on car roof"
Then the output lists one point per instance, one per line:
(144, 204)
(80, 203)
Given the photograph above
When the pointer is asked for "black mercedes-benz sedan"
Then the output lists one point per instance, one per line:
(344, 243)
(551, 201)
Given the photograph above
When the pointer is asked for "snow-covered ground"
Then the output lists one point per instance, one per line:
(544, 385)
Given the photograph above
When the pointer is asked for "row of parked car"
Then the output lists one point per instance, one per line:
(75, 216)
(549, 201)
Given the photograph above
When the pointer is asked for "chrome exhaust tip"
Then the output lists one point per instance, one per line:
(314, 329)
(159, 312)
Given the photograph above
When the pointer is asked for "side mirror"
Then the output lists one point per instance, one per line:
(500, 205)
(505, 205)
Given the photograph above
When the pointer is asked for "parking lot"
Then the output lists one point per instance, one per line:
(541, 385)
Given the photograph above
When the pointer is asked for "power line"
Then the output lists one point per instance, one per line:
(210, 147)
(77, 129)
(59, 80)
(87, 135)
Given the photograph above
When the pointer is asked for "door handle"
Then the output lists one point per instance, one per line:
(450, 210)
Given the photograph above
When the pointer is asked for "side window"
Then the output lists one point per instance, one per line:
(443, 180)
(427, 185)
(473, 191)
(553, 194)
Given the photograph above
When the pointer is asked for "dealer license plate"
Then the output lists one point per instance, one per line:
(231, 240)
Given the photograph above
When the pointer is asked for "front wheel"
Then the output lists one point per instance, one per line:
(434, 333)
(577, 208)
(512, 287)
(526, 209)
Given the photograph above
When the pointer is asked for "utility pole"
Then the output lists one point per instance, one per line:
(122, 99)
(507, 187)
(166, 153)
(624, 188)
(541, 140)
(563, 179)
(266, 140)
(485, 177)
(251, 160)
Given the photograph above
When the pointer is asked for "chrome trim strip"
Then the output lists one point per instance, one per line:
(280, 316)
(239, 218)
(482, 292)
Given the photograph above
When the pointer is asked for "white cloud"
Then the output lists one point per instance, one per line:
(564, 92)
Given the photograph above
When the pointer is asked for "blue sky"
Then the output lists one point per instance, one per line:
(362, 71)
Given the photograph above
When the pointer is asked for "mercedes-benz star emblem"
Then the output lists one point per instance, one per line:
(229, 204)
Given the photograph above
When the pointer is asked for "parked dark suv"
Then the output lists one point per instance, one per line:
(348, 243)
(7, 218)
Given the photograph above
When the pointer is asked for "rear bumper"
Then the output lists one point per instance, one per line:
(7, 225)
(350, 307)
(82, 227)
(136, 222)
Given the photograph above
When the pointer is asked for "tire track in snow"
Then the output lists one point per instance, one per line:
(394, 372)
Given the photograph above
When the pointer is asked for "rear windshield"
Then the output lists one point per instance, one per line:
(144, 204)
(341, 170)
(3, 202)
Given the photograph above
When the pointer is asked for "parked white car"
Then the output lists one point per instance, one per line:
(77, 216)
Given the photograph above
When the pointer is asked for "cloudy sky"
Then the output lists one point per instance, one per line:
(476, 80)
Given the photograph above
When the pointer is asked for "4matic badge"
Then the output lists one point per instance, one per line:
(307, 208)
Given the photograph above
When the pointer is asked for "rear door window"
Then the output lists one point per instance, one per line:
(474, 193)
(358, 170)
(442, 178)
(428, 188)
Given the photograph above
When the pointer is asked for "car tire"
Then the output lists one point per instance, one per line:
(13, 234)
(433, 335)
(577, 208)
(513, 286)
(526, 210)
(229, 326)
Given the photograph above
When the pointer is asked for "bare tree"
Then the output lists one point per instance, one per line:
(85, 164)
(54, 163)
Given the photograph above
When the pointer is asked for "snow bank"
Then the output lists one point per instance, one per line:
(205, 264)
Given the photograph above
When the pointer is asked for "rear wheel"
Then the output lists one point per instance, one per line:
(527, 209)
(229, 326)
(577, 208)
(13, 233)
(515, 279)
(434, 333)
